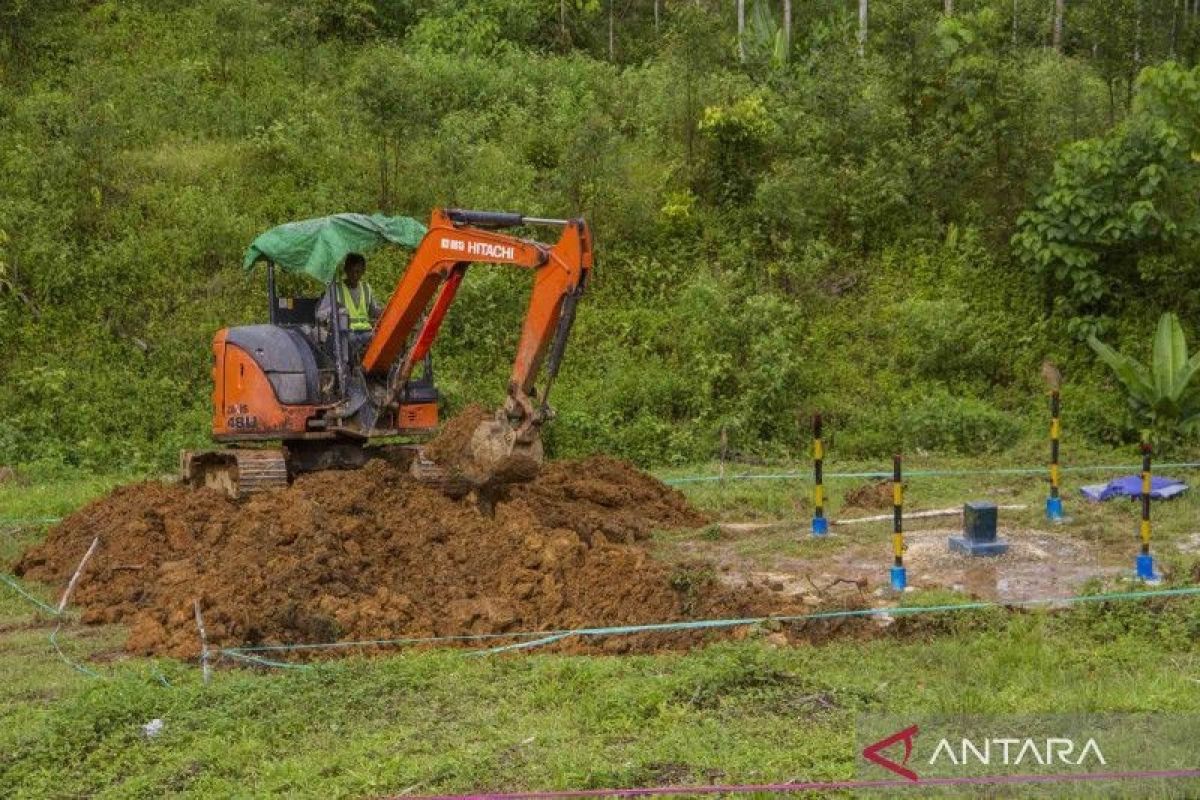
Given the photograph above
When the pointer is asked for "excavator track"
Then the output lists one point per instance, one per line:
(236, 472)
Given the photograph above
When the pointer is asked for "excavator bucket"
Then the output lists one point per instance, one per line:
(498, 455)
(478, 455)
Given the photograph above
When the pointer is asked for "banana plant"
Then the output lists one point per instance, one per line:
(1161, 394)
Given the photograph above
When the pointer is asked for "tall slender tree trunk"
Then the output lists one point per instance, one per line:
(656, 4)
(1137, 34)
(948, 7)
(862, 27)
(1136, 63)
(1014, 24)
(787, 28)
(1174, 26)
(1059, 9)
(562, 19)
(741, 23)
(611, 37)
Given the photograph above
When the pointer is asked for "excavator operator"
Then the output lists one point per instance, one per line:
(359, 308)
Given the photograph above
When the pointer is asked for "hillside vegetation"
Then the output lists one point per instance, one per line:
(897, 237)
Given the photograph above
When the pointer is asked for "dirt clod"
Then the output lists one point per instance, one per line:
(374, 554)
(870, 496)
(451, 446)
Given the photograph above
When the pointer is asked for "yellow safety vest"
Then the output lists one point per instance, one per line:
(359, 313)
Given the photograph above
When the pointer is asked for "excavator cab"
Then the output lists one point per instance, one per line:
(334, 359)
(290, 398)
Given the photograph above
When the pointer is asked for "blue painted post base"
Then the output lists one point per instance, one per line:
(820, 526)
(1054, 509)
(963, 544)
(1144, 567)
(899, 579)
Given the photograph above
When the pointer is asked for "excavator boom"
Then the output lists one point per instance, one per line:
(455, 239)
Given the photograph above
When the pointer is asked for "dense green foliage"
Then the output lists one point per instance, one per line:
(1163, 393)
(897, 238)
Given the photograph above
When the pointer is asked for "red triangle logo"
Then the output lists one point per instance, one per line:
(872, 752)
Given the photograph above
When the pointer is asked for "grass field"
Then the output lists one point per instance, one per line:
(733, 712)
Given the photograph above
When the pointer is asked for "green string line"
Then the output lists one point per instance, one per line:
(16, 587)
(54, 612)
(549, 637)
(920, 473)
(63, 656)
(29, 520)
(374, 642)
(260, 661)
(159, 676)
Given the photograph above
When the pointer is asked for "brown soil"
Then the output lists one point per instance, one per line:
(1039, 565)
(450, 447)
(606, 497)
(377, 555)
(870, 496)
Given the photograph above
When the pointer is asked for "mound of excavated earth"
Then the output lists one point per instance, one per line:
(372, 554)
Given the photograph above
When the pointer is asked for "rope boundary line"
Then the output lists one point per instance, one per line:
(248, 654)
(543, 638)
(917, 473)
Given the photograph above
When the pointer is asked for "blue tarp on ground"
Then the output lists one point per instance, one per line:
(1131, 486)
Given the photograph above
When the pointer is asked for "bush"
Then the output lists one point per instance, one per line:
(809, 230)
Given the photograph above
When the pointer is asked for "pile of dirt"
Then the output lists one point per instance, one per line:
(450, 447)
(870, 496)
(606, 497)
(487, 466)
(374, 554)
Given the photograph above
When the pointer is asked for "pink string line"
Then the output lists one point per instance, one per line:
(817, 786)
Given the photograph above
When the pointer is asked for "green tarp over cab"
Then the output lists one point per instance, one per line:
(317, 246)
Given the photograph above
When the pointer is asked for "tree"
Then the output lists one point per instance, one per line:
(741, 29)
(862, 27)
(787, 26)
(1059, 8)
(612, 44)
(1121, 209)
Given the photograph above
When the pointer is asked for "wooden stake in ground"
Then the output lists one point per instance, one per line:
(204, 665)
(939, 512)
(66, 595)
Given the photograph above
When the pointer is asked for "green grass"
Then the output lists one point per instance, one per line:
(21, 503)
(446, 722)
(421, 722)
(1114, 524)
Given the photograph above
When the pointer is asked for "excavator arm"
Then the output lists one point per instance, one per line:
(456, 239)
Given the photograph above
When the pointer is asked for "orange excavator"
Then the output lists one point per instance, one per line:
(291, 396)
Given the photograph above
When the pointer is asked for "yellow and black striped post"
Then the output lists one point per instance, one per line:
(899, 574)
(820, 525)
(1054, 508)
(1144, 564)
